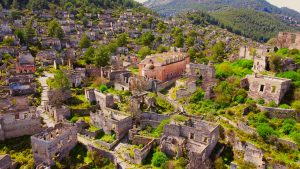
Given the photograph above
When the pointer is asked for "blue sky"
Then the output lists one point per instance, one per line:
(293, 4)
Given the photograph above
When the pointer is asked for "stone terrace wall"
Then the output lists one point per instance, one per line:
(21, 128)
(280, 112)
(152, 119)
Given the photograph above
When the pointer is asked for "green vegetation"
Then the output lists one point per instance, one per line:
(78, 101)
(239, 68)
(19, 149)
(84, 42)
(108, 138)
(60, 81)
(155, 132)
(103, 88)
(55, 30)
(250, 23)
(159, 159)
(163, 106)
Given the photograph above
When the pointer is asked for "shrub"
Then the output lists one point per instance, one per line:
(159, 158)
(219, 164)
(285, 106)
(103, 88)
(272, 104)
(264, 130)
(296, 105)
(261, 101)
(296, 136)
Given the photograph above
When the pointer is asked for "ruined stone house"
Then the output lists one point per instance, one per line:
(252, 154)
(184, 88)
(266, 87)
(288, 40)
(112, 122)
(130, 82)
(104, 100)
(58, 113)
(194, 138)
(53, 143)
(17, 118)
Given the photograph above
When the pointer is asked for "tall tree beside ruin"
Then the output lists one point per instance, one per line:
(84, 42)
(60, 81)
(55, 30)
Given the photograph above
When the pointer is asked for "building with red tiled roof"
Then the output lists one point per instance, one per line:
(164, 66)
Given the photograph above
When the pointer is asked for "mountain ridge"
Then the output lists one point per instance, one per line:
(173, 7)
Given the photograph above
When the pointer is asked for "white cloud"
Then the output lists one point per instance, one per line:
(293, 4)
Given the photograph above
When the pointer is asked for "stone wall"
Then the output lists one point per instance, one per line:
(280, 112)
(140, 154)
(288, 40)
(59, 114)
(268, 88)
(104, 100)
(112, 120)
(152, 119)
(53, 143)
(19, 123)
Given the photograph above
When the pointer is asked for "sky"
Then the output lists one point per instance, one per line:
(293, 4)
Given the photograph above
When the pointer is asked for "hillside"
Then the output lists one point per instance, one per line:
(256, 19)
(259, 25)
(172, 7)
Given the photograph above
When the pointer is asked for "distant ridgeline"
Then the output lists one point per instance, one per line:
(256, 19)
(69, 5)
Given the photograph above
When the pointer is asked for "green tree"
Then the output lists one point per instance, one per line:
(60, 81)
(29, 31)
(84, 42)
(102, 56)
(122, 40)
(218, 52)
(190, 41)
(147, 38)
(89, 55)
(55, 30)
(38, 4)
(179, 41)
(161, 27)
(20, 34)
(275, 63)
(159, 158)
(144, 51)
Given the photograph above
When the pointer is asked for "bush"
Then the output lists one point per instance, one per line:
(103, 88)
(219, 164)
(261, 101)
(296, 105)
(159, 158)
(264, 130)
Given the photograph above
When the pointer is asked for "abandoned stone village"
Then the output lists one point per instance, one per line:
(137, 105)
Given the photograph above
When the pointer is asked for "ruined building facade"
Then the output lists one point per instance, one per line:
(17, 118)
(266, 87)
(54, 143)
(288, 40)
(197, 137)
